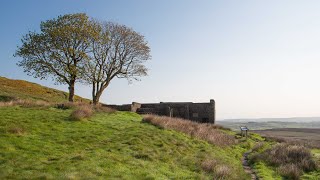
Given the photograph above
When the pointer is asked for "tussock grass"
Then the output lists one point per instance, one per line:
(290, 171)
(290, 160)
(220, 170)
(81, 113)
(16, 130)
(25, 103)
(204, 131)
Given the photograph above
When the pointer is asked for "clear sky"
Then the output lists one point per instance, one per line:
(255, 58)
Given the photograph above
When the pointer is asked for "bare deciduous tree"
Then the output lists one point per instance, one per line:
(58, 50)
(119, 52)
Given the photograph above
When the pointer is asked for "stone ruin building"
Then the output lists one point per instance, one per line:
(199, 112)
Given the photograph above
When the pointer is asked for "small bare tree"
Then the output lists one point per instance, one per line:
(58, 50)
(119, 52)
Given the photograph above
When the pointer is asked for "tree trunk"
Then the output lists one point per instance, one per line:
(71, 90)
(96, 97)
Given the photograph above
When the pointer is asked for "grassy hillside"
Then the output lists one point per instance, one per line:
(13, 89)
(44, 143)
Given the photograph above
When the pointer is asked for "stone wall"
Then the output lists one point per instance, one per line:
(200, 112)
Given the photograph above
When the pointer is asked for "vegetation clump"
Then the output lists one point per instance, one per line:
(290, 160)
(25, 103)
(204, 131)
(81, 113)
(16, 130)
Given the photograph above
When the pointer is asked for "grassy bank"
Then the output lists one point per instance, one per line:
(18, 89)
(45, 143)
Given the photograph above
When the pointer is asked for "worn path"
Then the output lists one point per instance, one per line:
(246, 166)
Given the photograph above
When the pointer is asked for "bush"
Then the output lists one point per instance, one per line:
(258, 147)
(81, 113)
(219, 170)
(290, 171)
(292, 160)
(222, 172)
(283, 153)
(204, 131)
(209, 165)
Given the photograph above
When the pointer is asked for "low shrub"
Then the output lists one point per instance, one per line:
(81, 113)
(290, 159)
(209, 165)
(258, 147)
(222, 172)
(283, 153)
(204, 131)
(290, 171)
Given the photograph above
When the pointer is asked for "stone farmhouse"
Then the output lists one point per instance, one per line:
(199, 112)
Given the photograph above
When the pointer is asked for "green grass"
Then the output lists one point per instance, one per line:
(11, 89)
(265, 172)
(116, 145)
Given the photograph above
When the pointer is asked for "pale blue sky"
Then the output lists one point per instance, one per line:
(255, 58)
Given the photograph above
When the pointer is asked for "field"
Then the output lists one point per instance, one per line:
(43, 143)
(256, 124)
(303, 135)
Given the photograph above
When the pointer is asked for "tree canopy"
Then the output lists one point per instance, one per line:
(74, 48)
(119, 52)
(58, 49)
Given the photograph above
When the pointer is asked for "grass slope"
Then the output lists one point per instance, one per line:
(117, 145)
(12, 89)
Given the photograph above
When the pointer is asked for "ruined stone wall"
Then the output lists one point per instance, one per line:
(200, 112)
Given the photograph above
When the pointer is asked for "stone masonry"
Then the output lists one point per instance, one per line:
(199, 112)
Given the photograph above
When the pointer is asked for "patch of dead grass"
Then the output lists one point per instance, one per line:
(204, 131)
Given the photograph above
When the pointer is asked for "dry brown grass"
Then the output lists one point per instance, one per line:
(209, 165)
(204, 131)
(220, 171)
(16, 130)
(258, 146)
(291, 159)
(283, 153)
(25, 103)
(290, 171)
(81, 113)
